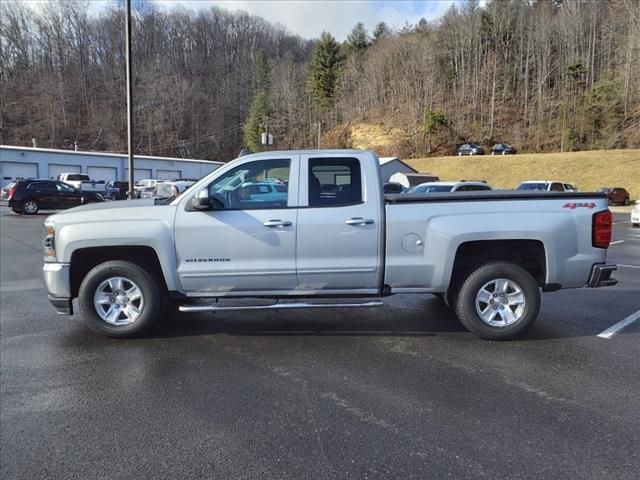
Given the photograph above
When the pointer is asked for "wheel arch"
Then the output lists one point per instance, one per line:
(528, 254)
(84, 259)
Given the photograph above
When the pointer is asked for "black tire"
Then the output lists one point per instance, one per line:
(31, 205)
(626, 202)
(153, 297)
(465, 302)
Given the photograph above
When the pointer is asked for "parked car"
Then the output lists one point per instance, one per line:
(617, 195)
(470, 149)
(171, 189)
(392, 187)
(144, 188)
(547, 186)
(117, 190)
(635, 216)
(462, 186)
(267, 192)
(29, 196)
(82, 182)
(503, 149)
(490, 258)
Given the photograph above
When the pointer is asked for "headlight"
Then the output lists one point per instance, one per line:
(49, 242)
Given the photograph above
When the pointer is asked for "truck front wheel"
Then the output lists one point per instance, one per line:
(120, 299)
(498, 301)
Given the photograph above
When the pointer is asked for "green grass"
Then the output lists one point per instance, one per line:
(587, 170)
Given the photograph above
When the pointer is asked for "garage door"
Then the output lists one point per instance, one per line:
(102, 173)
(138, 174)
(170, 174)
(15, 170)
(56, 169)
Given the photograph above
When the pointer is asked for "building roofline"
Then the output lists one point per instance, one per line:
(385, 160)
(106, 154)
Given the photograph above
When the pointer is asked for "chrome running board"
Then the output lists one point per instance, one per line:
(276, 306)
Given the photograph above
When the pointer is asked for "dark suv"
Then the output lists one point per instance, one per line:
(29, 196)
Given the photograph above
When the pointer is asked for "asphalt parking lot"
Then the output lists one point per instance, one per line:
(398, 392)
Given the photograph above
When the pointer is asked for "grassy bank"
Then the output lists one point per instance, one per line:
(588, 170)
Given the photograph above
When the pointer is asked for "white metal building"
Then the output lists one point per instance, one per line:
(28, 162)
(391, 165)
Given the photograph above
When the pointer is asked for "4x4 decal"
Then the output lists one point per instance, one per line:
(574, 205)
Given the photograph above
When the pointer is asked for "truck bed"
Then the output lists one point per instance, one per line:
(489, 195)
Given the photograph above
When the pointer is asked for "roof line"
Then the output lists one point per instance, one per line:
(106, 154)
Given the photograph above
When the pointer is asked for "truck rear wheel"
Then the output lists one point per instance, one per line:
(120, 299)
(498, 301)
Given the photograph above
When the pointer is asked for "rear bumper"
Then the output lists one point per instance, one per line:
(57, 279)
(601, 275)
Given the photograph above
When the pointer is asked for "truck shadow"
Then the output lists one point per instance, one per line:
(428, 317)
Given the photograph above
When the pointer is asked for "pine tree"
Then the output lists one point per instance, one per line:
(381, 31)
(358, 40)
(260, 106)
(324, 72)
(256, 121)
(434, 122)
(262, 73)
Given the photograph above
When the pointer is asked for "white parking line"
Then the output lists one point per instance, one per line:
(616, 242)
(620, 223)
(613, 329)
(628, 266)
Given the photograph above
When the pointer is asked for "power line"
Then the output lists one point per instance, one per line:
(199, 138)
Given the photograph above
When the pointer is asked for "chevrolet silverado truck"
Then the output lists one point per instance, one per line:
(329, 232)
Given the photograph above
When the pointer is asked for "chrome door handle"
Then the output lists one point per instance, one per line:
(277, 223)
(359, 221)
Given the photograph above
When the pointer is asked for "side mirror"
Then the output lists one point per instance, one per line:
(201, 201)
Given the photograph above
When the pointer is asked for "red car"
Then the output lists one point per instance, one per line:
(616, 195)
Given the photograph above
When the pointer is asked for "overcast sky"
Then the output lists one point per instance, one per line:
(309, 18)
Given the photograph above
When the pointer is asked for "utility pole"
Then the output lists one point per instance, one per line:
(129, 100)
(318, 145)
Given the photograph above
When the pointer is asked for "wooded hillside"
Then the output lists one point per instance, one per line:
(542, 75)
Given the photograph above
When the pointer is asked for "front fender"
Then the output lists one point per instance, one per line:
(155, 234)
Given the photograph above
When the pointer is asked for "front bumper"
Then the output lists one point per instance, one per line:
(601, 275)
(57, 279)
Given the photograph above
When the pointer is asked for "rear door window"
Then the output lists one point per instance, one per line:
(75, 177)
(557, 187)
(473, 188)
(334, 182)
(42, 186)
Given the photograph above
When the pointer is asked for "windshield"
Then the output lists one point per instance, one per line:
(431, 188)
(165, 190)
(533, 186)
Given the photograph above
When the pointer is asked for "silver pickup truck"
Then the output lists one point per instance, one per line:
(300, 225)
